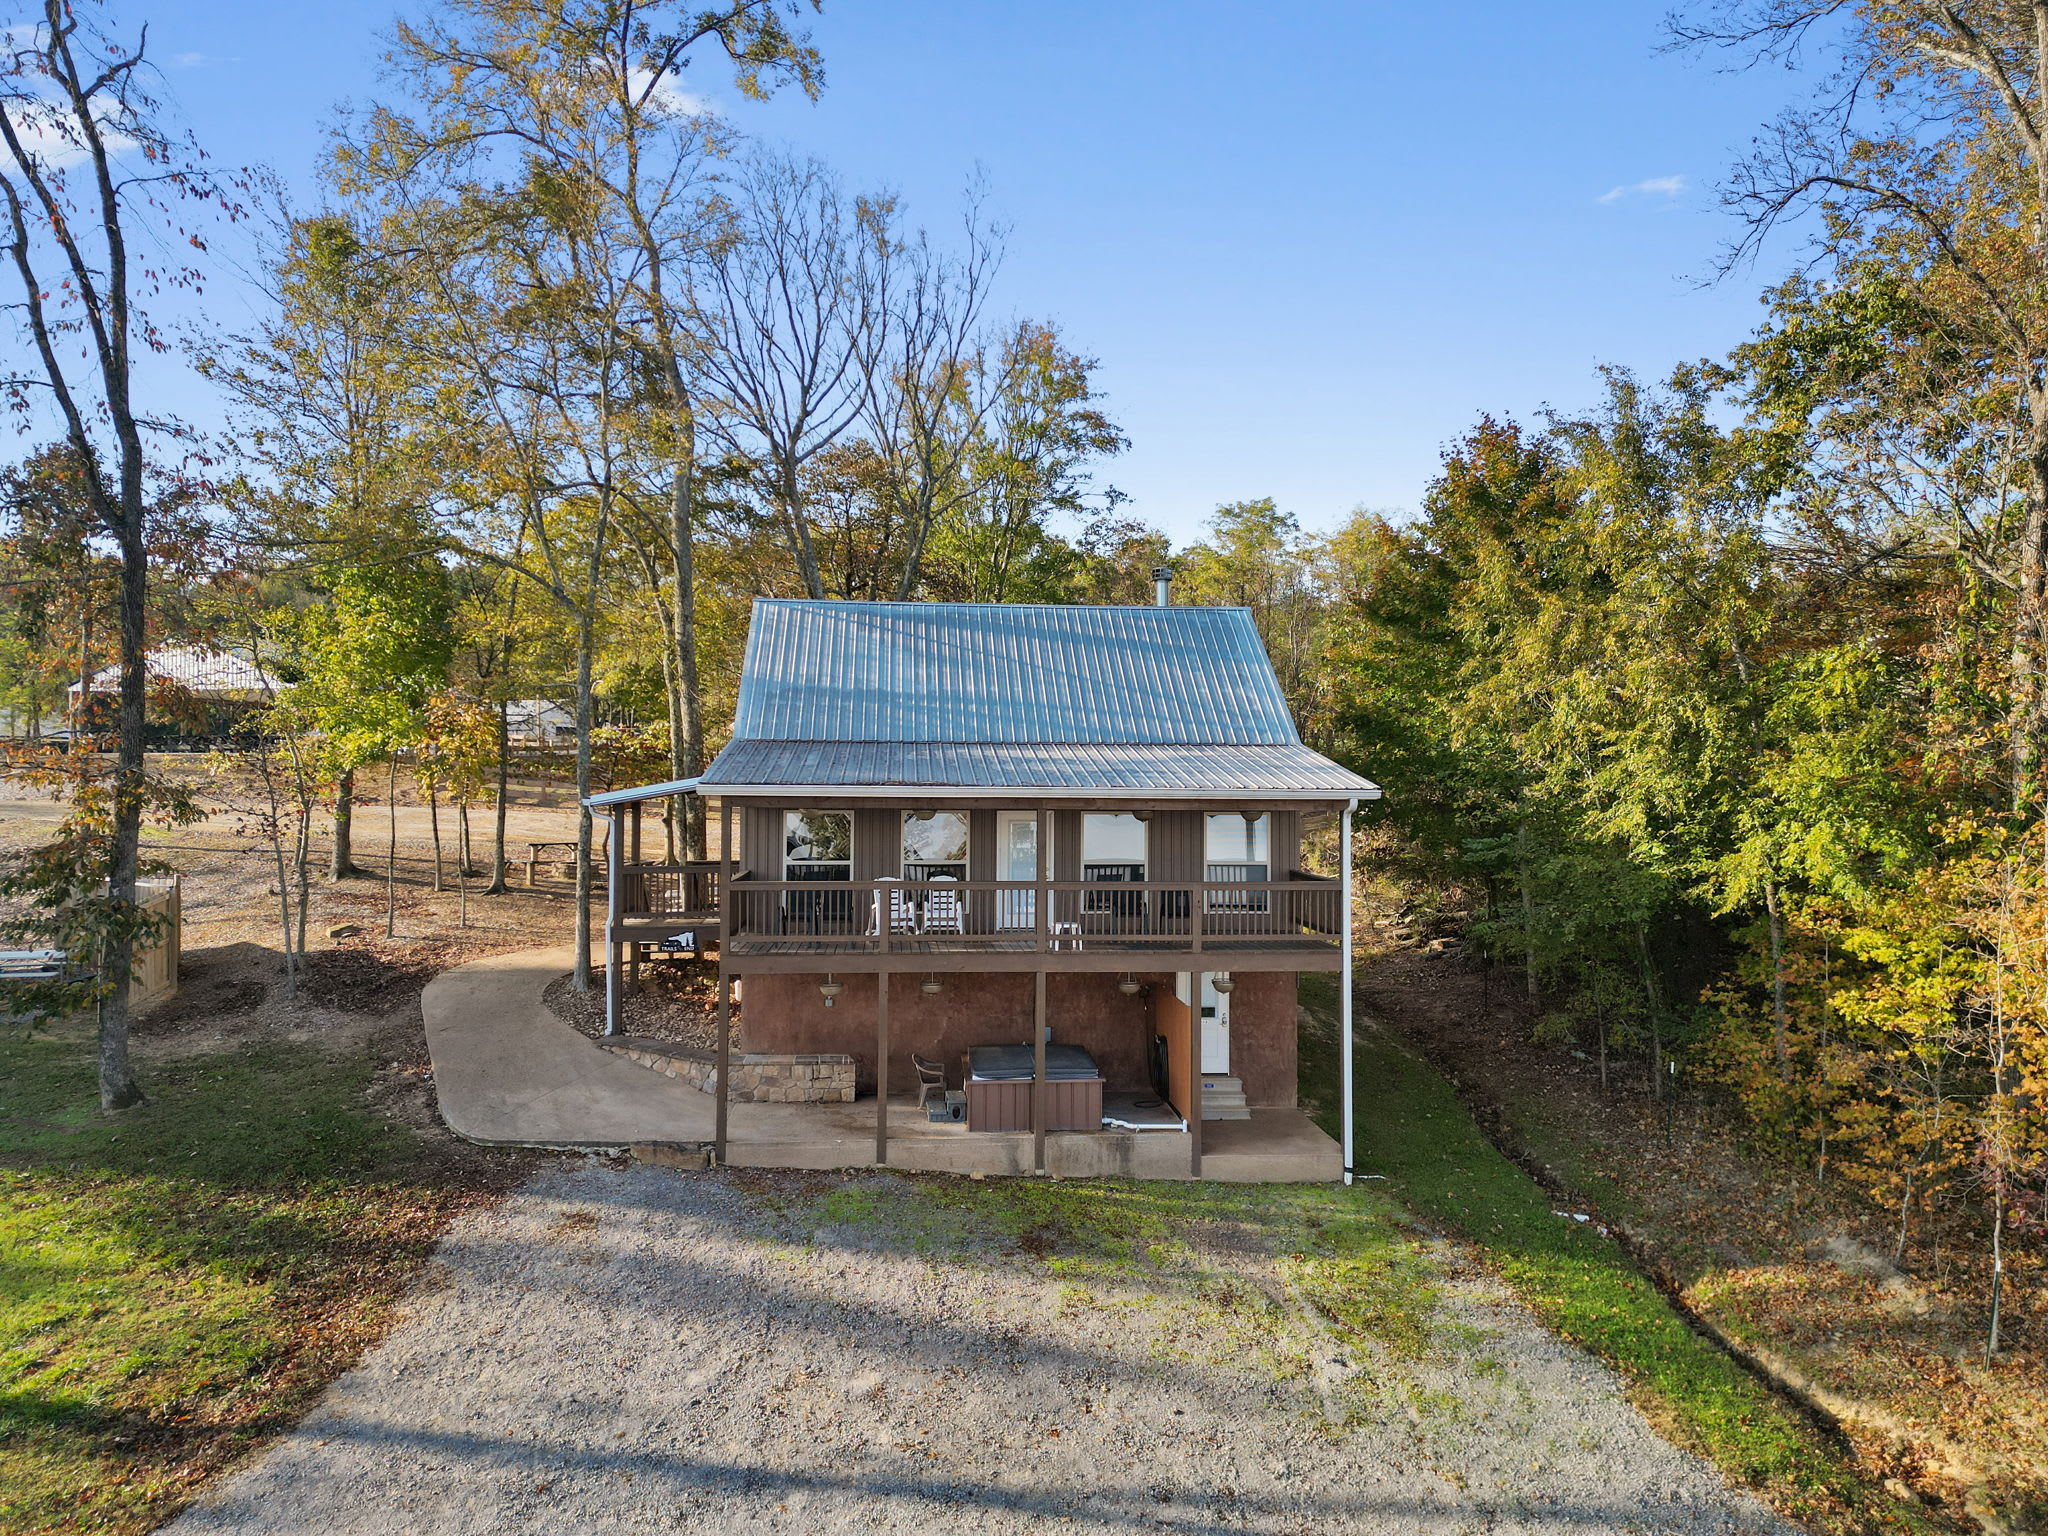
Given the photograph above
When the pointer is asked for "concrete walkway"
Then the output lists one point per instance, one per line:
(511, 1073)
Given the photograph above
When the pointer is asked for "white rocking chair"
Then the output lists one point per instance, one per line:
(902, 911)
(942, 909)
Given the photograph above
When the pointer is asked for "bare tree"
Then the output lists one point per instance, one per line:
(929, 385)
(84, 161)
(793, 306)
(593, 91)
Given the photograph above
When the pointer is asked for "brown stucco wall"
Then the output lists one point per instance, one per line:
(786, 1014)
(1263, 1036)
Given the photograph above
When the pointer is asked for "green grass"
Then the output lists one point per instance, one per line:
(1412, 1129)
(176, 1280)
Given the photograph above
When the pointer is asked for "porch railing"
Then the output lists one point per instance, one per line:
(668, 889)
(927, 916)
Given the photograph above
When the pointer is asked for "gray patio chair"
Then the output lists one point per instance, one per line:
(931, 1079)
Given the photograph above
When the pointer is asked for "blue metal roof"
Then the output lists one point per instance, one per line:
(1007, 672)
(1060, 767)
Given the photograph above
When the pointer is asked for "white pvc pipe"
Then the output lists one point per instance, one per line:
(1344, 993)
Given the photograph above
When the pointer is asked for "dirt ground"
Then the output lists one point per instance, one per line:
(633, 1349)
(233, 985)
(674, 1002)
(1797, 1272)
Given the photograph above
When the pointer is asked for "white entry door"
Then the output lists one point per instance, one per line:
(1215, 1028)
(1016, 859)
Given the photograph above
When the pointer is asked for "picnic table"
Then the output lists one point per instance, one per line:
(535, 849)
(34, 965)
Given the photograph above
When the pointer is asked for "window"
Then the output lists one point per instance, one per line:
(1113, 849)
(1237, 848)
(817, 845)
(934, 845)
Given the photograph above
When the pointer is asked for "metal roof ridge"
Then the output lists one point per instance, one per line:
(890, 602)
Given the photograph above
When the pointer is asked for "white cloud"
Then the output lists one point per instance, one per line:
(1656, 186)
(46, 139)
(671, 97)
(198, 60)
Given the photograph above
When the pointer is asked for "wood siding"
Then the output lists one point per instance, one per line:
(1174, 845)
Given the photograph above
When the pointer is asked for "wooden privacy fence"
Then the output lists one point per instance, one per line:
(156, 960)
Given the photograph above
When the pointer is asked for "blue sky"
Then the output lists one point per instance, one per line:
(1309, 244)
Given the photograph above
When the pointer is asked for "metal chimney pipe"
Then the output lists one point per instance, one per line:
(1162, 577)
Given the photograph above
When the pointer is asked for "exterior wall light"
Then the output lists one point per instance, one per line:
(1222, 982)
(830, 989)
(931, 986)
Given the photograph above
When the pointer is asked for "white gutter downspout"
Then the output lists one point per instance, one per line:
(1344, 998)
(614, 876)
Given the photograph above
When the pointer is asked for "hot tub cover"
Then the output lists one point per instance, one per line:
(1012, 1063)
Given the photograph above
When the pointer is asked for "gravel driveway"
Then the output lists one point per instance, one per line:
(625, 1350)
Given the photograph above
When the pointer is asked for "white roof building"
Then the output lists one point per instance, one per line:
(200, 670)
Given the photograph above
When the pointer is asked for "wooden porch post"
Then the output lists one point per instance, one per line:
(1194, 1110)
(724, 902)
(724, 1095)
(1038, 1072)
(882, 1064)
(1041, 901)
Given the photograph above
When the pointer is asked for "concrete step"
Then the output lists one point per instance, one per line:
(1223, 1098)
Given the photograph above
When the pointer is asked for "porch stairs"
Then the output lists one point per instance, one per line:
(1223, 1098)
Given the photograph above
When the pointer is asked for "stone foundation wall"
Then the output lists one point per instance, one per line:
(758, 1077)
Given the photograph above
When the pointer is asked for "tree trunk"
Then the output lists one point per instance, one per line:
(1656, 1013)
(78, 715)
(434, 822)
(798, 532)
(1535, 992)
(391, 851)
(581, 980)
(686, 729)
(342, 862)
(497, 885)
(118, 1088)
(1781, 1041)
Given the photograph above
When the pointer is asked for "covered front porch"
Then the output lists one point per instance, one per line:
(510, 1072)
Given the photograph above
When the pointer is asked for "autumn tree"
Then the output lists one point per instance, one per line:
(88, 167)
(587, 103)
